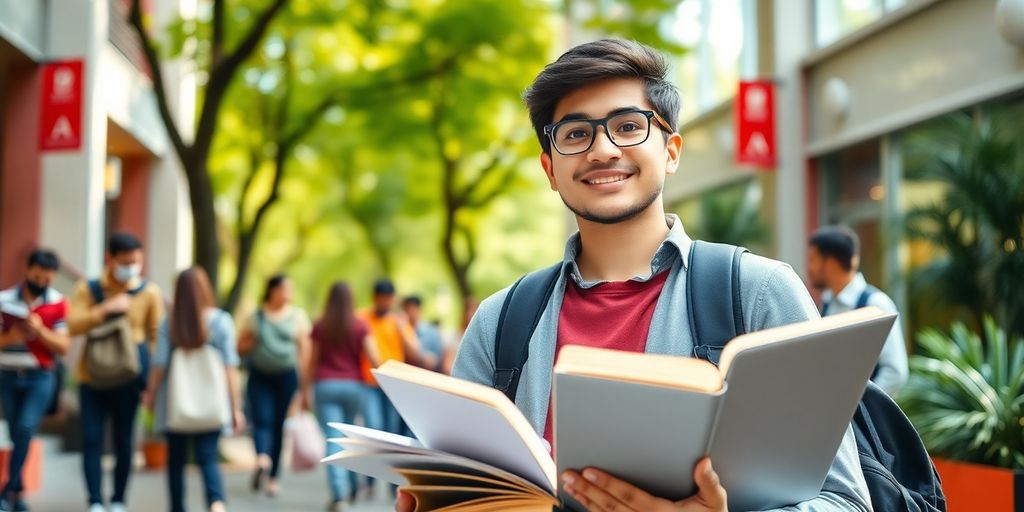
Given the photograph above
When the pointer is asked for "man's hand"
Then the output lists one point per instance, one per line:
(405, 502)
(116, 305)
(600, 492)
(34, 324)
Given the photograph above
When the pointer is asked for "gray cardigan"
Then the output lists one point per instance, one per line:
(771, 293)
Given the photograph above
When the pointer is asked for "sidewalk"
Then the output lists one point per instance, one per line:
(63, 488)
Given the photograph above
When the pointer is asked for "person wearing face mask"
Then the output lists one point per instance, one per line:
(33, 335)
(120, 290)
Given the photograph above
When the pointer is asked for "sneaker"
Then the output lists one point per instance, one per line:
(97, 507)
(336, 506)
(20, 506)
(5, 506)
(117, 507)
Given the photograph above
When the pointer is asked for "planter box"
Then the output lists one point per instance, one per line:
(972, 487)
(31, 472)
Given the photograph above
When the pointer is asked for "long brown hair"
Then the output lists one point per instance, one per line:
(192, 296)
(339, 314)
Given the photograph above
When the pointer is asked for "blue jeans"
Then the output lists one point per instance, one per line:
(338, 401)
(25, 396)
(120, 404)
(269, 396)
(206, 457)
(381, 414)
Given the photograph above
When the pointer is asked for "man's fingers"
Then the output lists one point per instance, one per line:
(603, 492)
(709, 488)
(405, 502)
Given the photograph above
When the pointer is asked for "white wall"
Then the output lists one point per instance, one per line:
(948, 55)
(73, 200)
(22, 23)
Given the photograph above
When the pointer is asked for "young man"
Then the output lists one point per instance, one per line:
(426, 333)
(606, 118)
(124, 292)
(833, 259)
(29, 348)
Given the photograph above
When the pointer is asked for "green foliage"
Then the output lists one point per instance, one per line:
(978, 225)
(966, 399)
(422, 104)
(732, 215)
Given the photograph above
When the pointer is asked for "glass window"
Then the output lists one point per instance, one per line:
(836, 18)
(732, 214)
(853, 195)
(722, 39)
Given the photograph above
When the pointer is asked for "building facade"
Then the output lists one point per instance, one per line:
(855, 80)
(118, 172)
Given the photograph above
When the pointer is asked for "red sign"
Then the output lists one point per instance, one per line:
(755, 124)
(60, 115)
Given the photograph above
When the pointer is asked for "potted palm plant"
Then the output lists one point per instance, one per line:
(965, 398)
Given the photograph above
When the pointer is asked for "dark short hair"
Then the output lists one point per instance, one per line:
(383, 286)
(837, 242)
(120, 243)
(592, 62)
(44, 258)
(413, 300)
(273, 283)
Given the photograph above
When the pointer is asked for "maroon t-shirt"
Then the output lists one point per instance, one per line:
(615, 315)
(339, 359)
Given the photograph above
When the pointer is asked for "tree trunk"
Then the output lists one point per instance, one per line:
(204, 218)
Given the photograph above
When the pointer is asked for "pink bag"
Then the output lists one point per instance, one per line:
(307, 442)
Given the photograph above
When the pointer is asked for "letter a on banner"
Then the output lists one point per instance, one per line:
(60, 113)
(755, 124)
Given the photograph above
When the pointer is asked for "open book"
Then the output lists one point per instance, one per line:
(771, 417)
(12, 314)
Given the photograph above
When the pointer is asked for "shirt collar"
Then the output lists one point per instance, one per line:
(851, 293)
(676, 245)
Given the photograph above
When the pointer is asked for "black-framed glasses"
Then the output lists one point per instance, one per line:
(624, 129)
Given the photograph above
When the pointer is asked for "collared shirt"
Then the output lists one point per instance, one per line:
(51, 307)
(771, 295)
(893, 370)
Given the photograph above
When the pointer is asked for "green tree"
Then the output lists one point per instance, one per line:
(220, 56)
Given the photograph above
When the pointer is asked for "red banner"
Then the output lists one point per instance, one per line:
(755, 124)
(60, 126)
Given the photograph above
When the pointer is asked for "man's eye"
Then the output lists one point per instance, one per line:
(629, 127)
(576, 134)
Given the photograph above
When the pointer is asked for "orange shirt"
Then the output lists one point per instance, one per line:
(387, 335)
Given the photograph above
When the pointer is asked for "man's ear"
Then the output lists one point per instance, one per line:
(549, 170)
(674, 148)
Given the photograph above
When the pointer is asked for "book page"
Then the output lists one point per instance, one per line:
(788, 405)
(659, 370)
(467, 419)
(388, 466)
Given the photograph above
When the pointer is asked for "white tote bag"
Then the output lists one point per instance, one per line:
(197, 391)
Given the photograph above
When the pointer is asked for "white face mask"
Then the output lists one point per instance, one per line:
(125, 273)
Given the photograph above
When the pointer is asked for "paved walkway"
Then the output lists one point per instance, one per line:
(64, 489)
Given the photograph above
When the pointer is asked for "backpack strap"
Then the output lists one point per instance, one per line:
(96, 290)
(865, 296)
(520, 314)
(714, 308)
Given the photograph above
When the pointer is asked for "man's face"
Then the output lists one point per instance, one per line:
(638, 172)
(383, 302)
(39, 276)
(816, 268)
(127, 258)
(412, 310)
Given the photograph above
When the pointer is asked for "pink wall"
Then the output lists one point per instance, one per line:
(21, 172)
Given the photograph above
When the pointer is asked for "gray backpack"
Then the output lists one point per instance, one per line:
(276, 351)
(111, 352)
